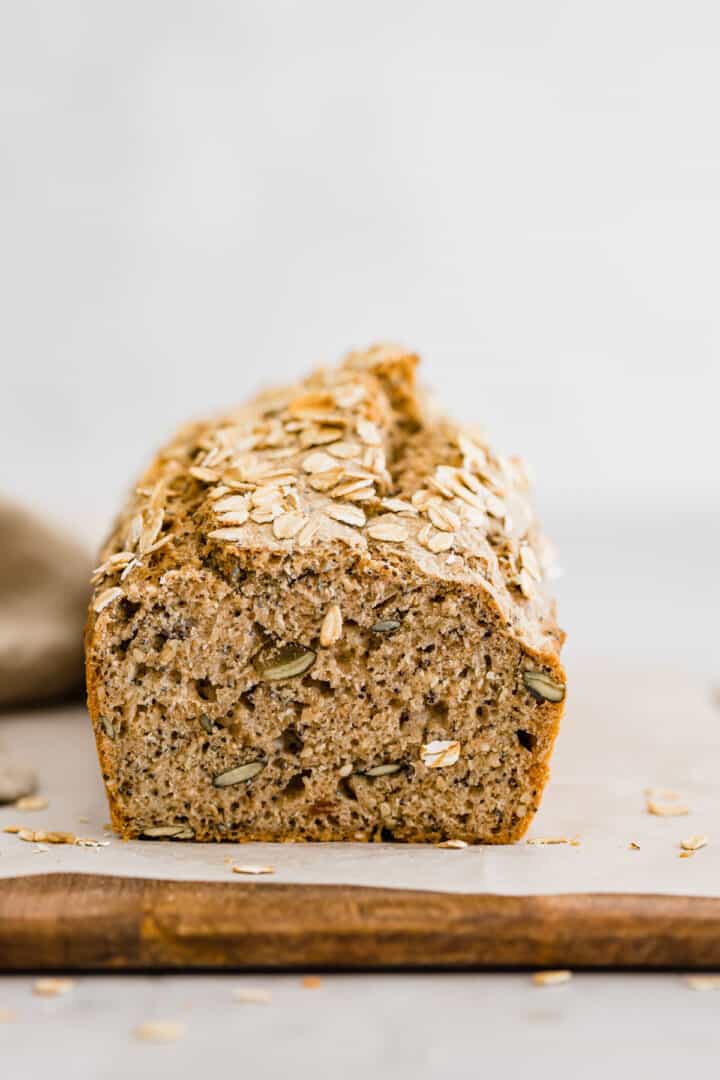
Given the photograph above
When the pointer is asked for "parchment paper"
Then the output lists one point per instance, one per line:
(624, 731)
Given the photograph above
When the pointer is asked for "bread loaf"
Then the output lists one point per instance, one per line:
(323, 617)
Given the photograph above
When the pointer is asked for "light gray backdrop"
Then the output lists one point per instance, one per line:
(198, 197)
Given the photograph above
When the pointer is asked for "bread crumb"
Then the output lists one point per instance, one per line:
(312, 982)
(457, 844)
(634, 846)
(551, 978)
(252, 997)
(52, 987)
(159, 1031)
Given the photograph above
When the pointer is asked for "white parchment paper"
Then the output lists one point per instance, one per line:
(624, 731)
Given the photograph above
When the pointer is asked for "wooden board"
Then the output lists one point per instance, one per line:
(92, 922)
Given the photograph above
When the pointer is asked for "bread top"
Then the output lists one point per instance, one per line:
(355, 457)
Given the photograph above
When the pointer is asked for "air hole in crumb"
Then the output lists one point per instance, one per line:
(205, 690)
(291, 741)
(526, 739)
(321, 686)
(158, 641)
(128, 609)
(295, 787)
(248, 700)
(346, 790)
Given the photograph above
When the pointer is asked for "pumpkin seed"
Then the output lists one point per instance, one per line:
(285, 662)
(542, 687)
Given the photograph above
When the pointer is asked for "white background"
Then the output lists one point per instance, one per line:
(200, 197)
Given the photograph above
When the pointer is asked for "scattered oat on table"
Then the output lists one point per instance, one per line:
(312, 982)
(703, 982)
(247, 868)
(50, 987)
(31, 802)
(457, 844)
(551, 978)
(664, 803)
(542, 841)
(13, 829)
(41, 836)
(634, 846)
(252, 997)
(693, 843)
(159, 1031)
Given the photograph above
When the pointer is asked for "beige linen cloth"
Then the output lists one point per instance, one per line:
(44, 591)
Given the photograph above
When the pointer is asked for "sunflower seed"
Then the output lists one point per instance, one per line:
(383, 770)
(332, 627)
(206, 723)
(107, 725)
(385, 626)
(239, 775)
(158, 832)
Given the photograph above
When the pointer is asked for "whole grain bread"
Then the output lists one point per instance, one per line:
(324, 617)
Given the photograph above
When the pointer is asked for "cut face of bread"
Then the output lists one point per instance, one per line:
(272, 657)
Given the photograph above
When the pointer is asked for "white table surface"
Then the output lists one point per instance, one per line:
(360, 1026)
(430, 1025)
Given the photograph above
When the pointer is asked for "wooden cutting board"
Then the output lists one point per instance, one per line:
(101, 923)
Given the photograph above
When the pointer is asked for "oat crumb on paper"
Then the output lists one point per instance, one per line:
(159, 1031)
(664, 803)
(455, 844)
(252, 997)
(693, 843)
(311, 982)
(544, 841)
(51, 987)
(551, 978)
(703, 982)
(248, 868)
(12, 829)
(634, 846)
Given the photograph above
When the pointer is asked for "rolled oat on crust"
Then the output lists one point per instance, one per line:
(324, 617)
